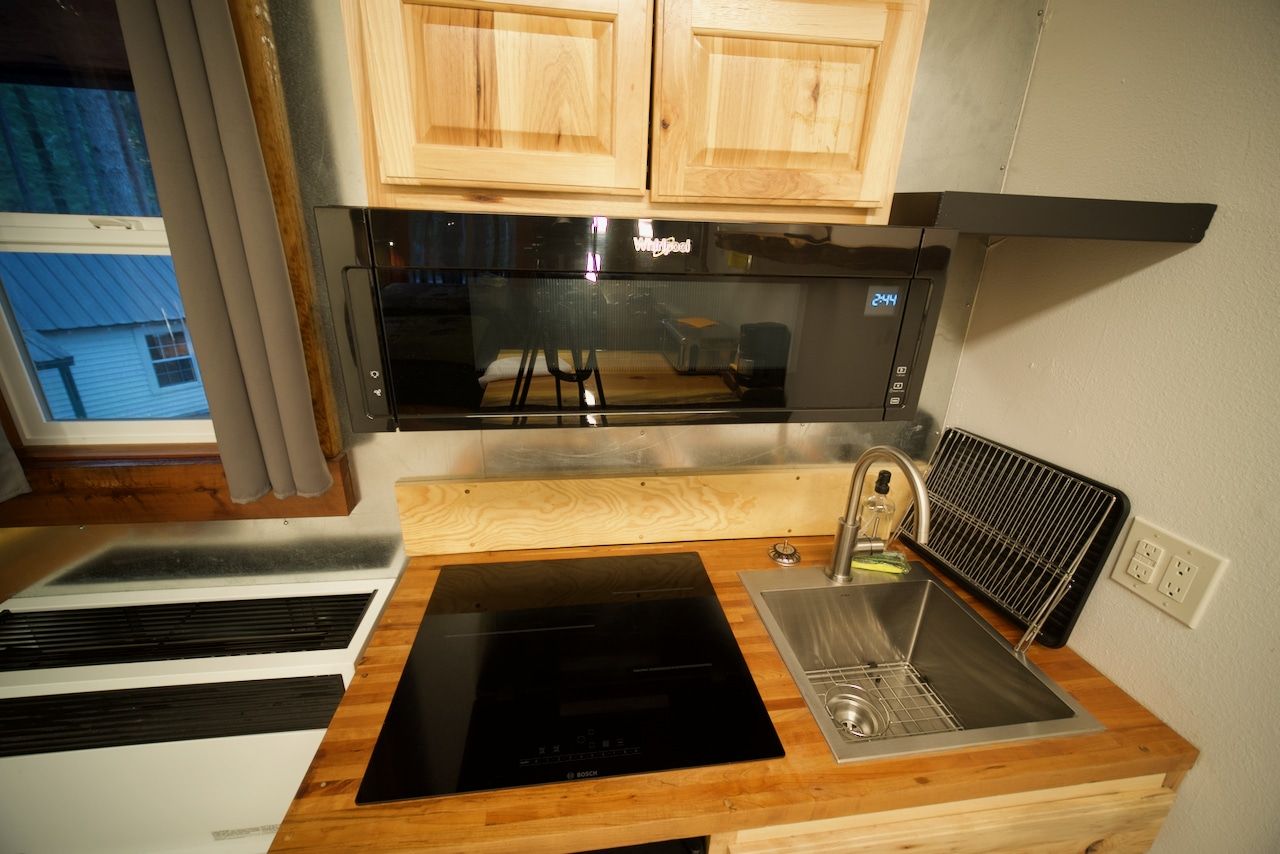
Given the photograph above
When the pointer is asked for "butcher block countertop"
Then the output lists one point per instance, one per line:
(725, 801)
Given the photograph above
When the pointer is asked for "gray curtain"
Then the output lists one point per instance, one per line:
(12, 479)
(225, 242)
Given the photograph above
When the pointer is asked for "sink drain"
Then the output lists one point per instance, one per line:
(855, 711)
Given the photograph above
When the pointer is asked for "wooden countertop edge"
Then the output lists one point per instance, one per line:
(804, 785)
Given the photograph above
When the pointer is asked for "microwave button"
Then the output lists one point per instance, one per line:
(901, 370)
(896, 401)
(898, 385)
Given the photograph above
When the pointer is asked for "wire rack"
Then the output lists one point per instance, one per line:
(1018, 530)
(911, 703)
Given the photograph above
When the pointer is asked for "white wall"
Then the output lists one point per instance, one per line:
(1157, 369)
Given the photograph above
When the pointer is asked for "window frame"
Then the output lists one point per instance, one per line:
(125, 484)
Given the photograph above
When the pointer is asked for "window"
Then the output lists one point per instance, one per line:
(93, 346)
(171, 359)
(76, 44)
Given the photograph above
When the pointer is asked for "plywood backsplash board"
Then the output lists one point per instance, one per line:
(454, 516)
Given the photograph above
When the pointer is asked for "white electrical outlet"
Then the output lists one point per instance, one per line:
(1141, 570)
(1150, 551)
(1176, 576)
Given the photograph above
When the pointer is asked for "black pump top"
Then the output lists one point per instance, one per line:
(882, 482)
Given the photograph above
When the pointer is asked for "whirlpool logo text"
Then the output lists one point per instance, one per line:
(659, 246)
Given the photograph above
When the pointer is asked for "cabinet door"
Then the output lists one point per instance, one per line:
(523, 94)
(799, 102)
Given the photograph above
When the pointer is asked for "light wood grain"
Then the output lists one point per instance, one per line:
(1113, 815)
(456, 193)
(587, 204)
(446, 516)
(860, 22)
(805, 785)
(507, 95)
(784, 103)
(495, 56)
(814, 94)
(441, 517)
(568, 8)
(890, 100)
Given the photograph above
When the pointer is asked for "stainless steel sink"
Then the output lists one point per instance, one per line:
(890, 665)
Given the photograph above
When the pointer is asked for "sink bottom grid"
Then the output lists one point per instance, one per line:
(912, 705)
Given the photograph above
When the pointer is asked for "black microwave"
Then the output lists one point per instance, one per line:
(457, 320)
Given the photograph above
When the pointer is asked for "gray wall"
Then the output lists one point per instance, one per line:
(974, 67)
(1154, 368)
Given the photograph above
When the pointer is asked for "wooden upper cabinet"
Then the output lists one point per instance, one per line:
(518, 94)
(782, 102)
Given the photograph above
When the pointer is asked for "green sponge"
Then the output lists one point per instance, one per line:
(892, 562)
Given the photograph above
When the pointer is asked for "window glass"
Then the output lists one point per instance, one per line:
(94, 325)
(71, 150)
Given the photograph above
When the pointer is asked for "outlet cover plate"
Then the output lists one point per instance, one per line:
(1184, 600)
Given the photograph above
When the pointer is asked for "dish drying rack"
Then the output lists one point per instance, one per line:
(1029, 536)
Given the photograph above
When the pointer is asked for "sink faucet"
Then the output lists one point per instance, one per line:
(848, 543)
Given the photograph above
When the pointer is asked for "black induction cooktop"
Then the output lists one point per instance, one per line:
(542, 671)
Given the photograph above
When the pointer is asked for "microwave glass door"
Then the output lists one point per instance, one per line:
(479, 343)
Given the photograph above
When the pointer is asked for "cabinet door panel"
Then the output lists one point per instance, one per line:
(547, 95)
(785, 102)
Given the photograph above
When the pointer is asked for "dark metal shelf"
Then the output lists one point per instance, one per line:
(999, 214)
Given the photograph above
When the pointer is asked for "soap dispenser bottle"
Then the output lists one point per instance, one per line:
(877, 510)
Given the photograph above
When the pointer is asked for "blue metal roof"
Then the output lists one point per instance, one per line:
(55, 291)
(44, 353)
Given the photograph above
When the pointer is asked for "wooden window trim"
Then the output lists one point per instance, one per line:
(185, 483)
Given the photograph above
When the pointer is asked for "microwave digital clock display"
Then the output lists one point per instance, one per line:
(883, 301)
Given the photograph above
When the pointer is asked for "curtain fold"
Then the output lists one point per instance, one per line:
(225, 243)
(13, 481)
